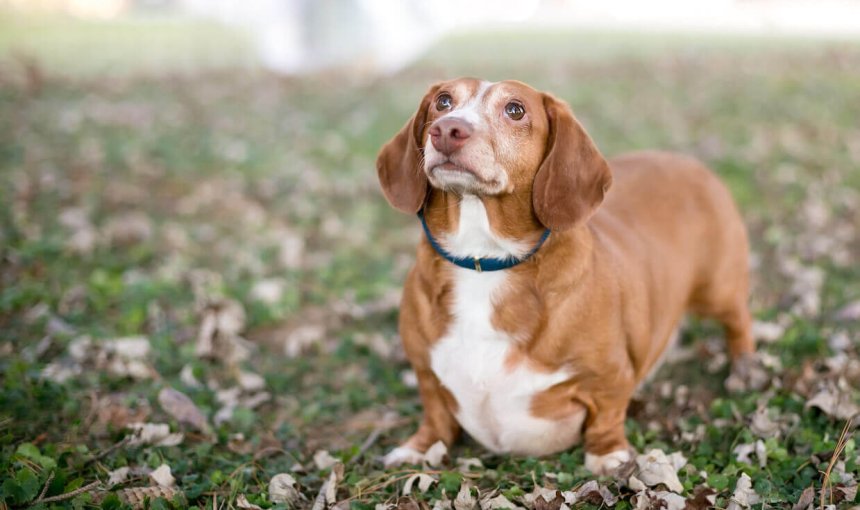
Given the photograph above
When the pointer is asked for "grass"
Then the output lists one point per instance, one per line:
(141, 202)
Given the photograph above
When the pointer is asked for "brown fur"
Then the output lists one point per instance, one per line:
(605, 292)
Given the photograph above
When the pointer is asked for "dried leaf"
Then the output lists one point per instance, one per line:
(467, 464)
(282, 489)
(118, 476)
(834, 402)
(242, 502)
(743, 451)
(496, 503)
(269, 291)
(324, 460)
(654, 468)
(182, 408)
(761, 424)
(704, 498)
(591, 492)
(554, 503)
(156, 434)
(163, 477)
(424, 482)
(250, 381)
(806, 499)
(748, 373)
(464, 499)
(648, 499)
(187, 377)
(744, 496)
(137, 496)
(767, 332)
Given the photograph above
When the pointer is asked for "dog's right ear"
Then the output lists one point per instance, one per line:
(399, 164)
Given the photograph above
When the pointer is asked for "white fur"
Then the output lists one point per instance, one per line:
(606, 464)
(469, 111)
(493, 400)
(474, 237)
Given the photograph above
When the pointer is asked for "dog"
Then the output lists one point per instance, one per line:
(549, 280)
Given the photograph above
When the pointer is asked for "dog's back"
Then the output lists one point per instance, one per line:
(676, 220)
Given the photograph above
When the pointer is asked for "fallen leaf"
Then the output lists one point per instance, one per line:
(806, 498)
(554, 503)
(496, 503)
(156, 434)
(744, 450)
(654, 468)
(269, 291)
(744, 496)
(442, 504)
(182, 408)
(467, 464)
(849, 312)
(648, 499)
(118, 476)
(767, 332)
(424, 482)
(186, 375)
(250, 381)
(162, 476)
(464, 499)
(762, 425)
(137, 497)
(324, 460)
(704, 498)
(242, 502)
(591, 492)
(748, 373)
(282, 489)
(834, 402)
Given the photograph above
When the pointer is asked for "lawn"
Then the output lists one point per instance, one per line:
(198, 271)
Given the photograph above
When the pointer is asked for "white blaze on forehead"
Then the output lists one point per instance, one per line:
(470, 111)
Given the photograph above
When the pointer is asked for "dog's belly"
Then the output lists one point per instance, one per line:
(494, 401)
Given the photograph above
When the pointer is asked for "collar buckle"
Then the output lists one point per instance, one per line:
(478, 265)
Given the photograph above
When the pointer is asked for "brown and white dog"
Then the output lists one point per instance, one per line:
(532, 359)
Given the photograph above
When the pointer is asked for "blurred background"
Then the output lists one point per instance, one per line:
(198, 176)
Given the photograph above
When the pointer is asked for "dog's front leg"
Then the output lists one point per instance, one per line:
(606, 446)
(437, 424)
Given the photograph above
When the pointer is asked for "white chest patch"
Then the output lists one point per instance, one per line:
(494, 400)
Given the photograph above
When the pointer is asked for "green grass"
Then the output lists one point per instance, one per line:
(224, 162)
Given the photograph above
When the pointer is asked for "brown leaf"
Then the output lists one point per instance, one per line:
(182, 408)
(555, 504)
(703, 499)
(135, 496)
(806, 499)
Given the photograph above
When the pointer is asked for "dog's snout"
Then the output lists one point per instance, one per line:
(449, 134)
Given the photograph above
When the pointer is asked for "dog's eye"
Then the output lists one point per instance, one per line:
(515, 111)
(443, 102)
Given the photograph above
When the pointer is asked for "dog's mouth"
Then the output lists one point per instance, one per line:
(450, 176)
(454, 169)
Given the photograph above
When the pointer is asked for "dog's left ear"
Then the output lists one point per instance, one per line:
(399, 165)
(573, 178)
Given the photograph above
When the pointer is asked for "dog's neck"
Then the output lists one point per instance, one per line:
(490, 226)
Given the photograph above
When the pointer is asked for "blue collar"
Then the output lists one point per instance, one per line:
(479, 264)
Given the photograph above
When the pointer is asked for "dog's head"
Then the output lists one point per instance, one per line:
(476, 137)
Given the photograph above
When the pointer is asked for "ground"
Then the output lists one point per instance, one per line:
(203, 251)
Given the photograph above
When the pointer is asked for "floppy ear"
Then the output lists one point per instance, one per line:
(574, 177)
(399, 163)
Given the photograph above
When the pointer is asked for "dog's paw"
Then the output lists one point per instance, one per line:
(607, 464)
(402, 455)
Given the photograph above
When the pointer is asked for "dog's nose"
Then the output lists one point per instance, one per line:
(449, 134)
